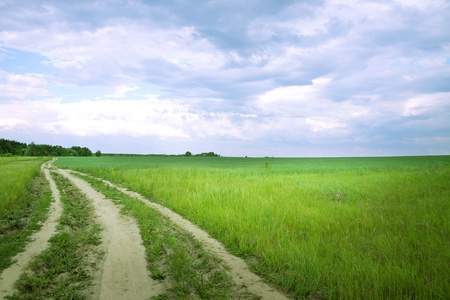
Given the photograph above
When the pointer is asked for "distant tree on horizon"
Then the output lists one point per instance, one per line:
(208, 154)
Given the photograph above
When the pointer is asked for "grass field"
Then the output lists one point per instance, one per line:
(323, 228)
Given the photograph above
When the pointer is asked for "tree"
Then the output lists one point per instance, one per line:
(81, 151)
(98, 153)
(8, 147)
(32, 149)
(188, 153)
(72, 152)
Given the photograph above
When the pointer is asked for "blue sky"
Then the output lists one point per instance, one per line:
(239, 78)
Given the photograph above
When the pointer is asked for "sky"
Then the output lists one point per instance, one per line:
(305, 78)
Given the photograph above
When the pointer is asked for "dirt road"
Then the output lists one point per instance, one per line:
(123, 274)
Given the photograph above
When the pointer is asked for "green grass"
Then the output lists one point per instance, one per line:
(16, 174)
(323, 228)
(24, 201)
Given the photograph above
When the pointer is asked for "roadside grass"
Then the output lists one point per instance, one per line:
(173, 255)
(62, 270)
(25, 199)
(320, 228)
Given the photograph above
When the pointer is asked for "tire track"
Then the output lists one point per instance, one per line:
(123, 273)
(39, 240)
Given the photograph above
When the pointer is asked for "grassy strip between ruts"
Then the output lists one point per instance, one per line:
(62, 270)
(20, 220)
(174, 255)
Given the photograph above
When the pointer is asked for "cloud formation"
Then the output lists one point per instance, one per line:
(293, 78)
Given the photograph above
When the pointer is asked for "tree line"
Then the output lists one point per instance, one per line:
(9, 148)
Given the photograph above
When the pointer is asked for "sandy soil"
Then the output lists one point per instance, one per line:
(123, 273)
(39, 240)
(238, 269)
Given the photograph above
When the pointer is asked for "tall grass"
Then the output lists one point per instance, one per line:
(323, 228)
(16, 174)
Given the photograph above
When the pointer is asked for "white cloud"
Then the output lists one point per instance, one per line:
(108, 50)
(11, 124)
(307, 102)
(318, 125)
(153, 117)
(121, 91)
(131, 117)
(426, 104)
(20, 86)
(303, 112)
(419, 4)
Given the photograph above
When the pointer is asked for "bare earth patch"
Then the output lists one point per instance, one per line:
(39, 241)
